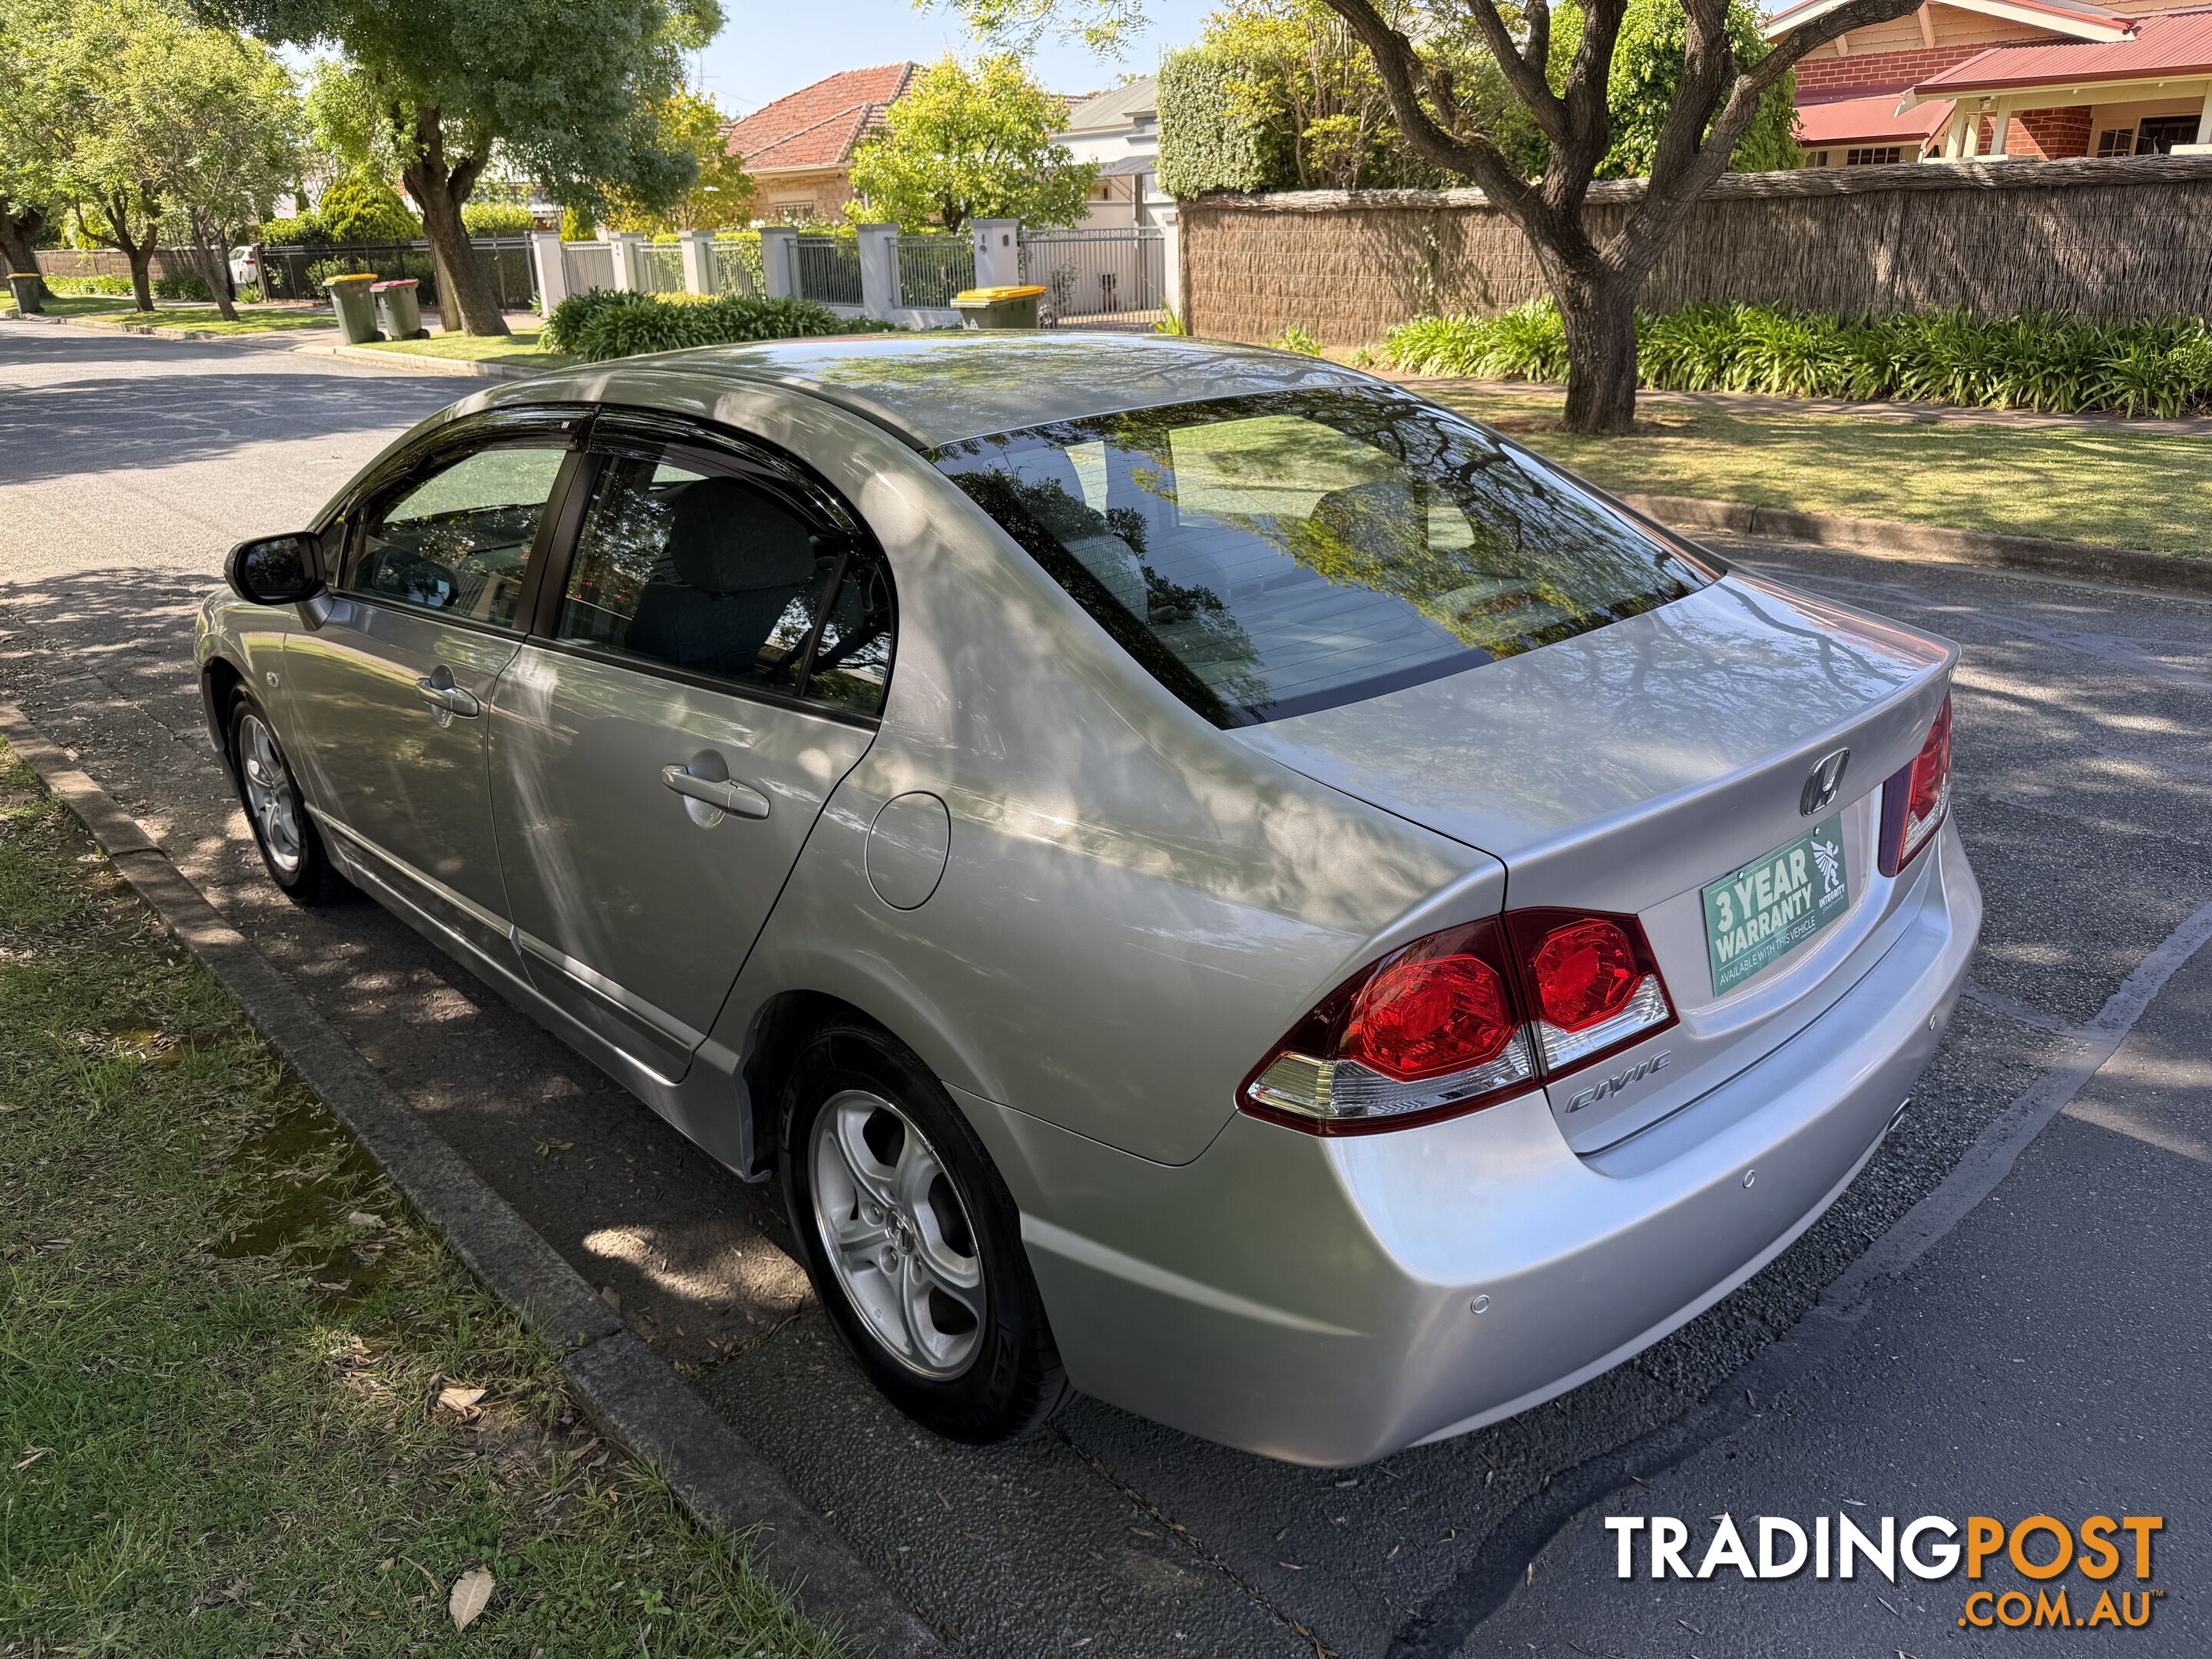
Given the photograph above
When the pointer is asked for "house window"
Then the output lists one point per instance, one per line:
(1878, 155)
(2160, 133)
(2116, 141)
(1816, 158)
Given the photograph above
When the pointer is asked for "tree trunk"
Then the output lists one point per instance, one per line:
(213, 265)
(1599, 311)
(20, 227)
(464, 289)
(140, 255)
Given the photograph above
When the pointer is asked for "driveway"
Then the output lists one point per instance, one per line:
(128, 466)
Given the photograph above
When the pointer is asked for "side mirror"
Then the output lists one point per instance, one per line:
(276, 569)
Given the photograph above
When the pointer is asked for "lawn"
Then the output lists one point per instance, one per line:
(247, 1405)
(2137, 489)
(521, 349)
(72, 305)
(113, 308)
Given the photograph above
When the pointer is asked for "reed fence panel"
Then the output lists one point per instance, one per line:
(2121, 238)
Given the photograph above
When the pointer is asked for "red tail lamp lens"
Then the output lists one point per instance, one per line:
(1583, 972)
(1914, 798)
(1421, 1017)
(1932, 767)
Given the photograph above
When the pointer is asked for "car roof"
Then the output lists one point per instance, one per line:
(934, 389)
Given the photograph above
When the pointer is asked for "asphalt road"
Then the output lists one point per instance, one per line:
(2030, 1338)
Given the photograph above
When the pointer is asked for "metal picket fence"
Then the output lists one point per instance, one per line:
(299, 270)
(585, 266)
(1114, 278)
(933, 269)
(660, 267)
(826, 269)
(735, 259)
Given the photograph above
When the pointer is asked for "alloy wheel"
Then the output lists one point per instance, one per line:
(269, 795)
(897, 1234)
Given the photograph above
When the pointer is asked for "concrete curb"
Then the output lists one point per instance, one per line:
(458, 367)
(1891, 539)
(630, 1395)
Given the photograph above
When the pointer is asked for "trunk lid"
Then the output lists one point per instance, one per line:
(1627, 769)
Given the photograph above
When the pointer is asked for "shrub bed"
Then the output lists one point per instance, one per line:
(601, 323)
(2060, 365)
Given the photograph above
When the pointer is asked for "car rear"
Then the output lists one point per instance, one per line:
(1522, 1144)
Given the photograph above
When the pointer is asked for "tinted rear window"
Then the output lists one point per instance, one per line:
(1270, 555)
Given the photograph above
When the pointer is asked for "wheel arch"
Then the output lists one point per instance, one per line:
(221, 682)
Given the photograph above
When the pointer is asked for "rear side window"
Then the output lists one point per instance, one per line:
(1268, 556)
(457, 540)
(708, 573)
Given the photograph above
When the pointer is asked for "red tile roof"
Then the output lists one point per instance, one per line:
(1872, 120)
(2164, 42)
(2085, 15)
(818, 126)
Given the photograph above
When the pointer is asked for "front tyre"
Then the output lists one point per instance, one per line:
(912, 1239)
(290, 845)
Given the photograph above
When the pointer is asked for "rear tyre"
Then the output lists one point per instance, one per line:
(290, 845)
(912, 1239)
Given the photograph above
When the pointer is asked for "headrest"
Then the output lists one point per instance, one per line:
(725, 539)
(1385, 517)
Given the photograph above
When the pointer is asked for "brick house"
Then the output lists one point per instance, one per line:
(799, 149)
(2034, 79)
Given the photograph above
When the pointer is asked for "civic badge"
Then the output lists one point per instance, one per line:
(1823, 783)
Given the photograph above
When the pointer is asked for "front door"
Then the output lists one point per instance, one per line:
(709, 670)
(391, 687)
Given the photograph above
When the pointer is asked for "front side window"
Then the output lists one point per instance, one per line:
(1268, 556)
(456, 541)
(714, 575)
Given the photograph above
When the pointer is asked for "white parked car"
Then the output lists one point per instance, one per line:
(245, 266)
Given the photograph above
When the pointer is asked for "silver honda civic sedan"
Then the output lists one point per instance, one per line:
(1209, 879)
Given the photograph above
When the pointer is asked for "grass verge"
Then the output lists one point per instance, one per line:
(252, 319)
(240, 1406)
(72, 305)
(2137, 489)
(520, 349)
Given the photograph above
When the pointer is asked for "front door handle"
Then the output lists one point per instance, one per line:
(726, 793)
(447, 698)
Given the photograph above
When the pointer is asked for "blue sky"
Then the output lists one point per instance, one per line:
(769, 47)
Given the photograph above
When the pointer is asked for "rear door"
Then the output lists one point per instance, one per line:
(709, 661)
(388, 689)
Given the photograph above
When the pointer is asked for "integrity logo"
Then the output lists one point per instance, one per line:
(2039, 1548)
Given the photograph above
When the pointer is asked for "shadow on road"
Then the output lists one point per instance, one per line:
(97, 423)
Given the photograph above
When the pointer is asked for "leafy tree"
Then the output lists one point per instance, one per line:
(721, 196)
(160, 120)
(971, 143)
(221, 121)
(1647, 76)
(361, 207)
(1596, 275)
(567, 90)
(30, 188)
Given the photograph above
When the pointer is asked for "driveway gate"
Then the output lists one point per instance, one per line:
(1115, 278)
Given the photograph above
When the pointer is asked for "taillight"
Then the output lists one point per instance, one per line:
(1914, 796)
(1463, 1019)
(1593, 985)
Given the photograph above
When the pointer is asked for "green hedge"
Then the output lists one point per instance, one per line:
(1209, 140)
(497, 219)
(2057, 364)
(603, 323)
(82, 285)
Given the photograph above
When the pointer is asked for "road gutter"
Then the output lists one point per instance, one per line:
(628, 1393)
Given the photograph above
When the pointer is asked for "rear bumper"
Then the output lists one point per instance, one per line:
(1329, 1302)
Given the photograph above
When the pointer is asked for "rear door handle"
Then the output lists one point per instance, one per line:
(448, 699)
(740, 800)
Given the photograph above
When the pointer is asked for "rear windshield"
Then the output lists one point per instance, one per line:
(1270, 555)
